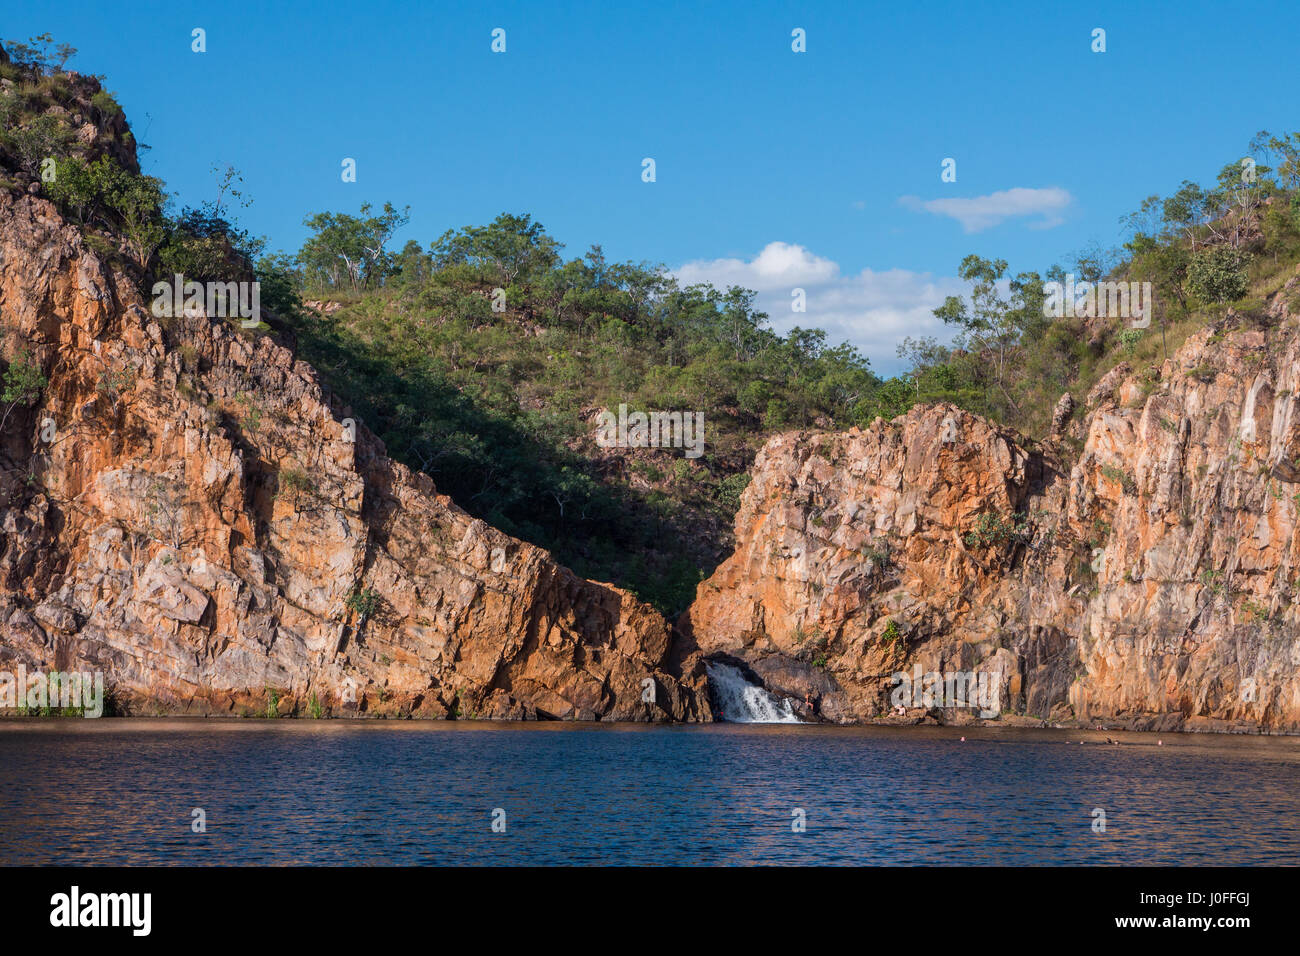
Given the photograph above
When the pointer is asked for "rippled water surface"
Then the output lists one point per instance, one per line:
(337, 792)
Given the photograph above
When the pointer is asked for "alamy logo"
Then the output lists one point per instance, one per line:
(57, 689)
(72, 909)
(1111, 300)
(951, 689)
(220, 300)
(652, 430)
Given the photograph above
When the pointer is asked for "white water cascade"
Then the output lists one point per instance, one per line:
(743, 703)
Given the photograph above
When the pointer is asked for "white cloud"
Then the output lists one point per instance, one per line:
(872, 310)
(981, 212)
(778, 265)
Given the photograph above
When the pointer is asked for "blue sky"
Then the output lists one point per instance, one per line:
(774, 169)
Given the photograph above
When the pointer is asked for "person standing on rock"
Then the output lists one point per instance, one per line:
(809, 704)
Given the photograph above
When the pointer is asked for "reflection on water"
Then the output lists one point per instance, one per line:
(341, 792)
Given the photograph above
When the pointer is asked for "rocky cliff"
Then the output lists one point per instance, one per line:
(1139, 569)
(186, 509)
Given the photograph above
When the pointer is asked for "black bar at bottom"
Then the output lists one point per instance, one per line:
(635, 907)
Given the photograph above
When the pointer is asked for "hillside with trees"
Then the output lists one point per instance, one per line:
(484, 356)
(499, 406)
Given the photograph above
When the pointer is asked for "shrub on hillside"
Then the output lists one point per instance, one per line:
(1217, 274)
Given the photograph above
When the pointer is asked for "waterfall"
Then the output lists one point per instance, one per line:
(742, 702)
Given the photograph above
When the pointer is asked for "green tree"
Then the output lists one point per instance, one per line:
(23, 381)
(351, 249)
(412, 266)
(102, 194)
(205, 247)
(509, 248)
(1216, 274)
(44, 137)
(991, 323)
(1186, 211)
(40, 53)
